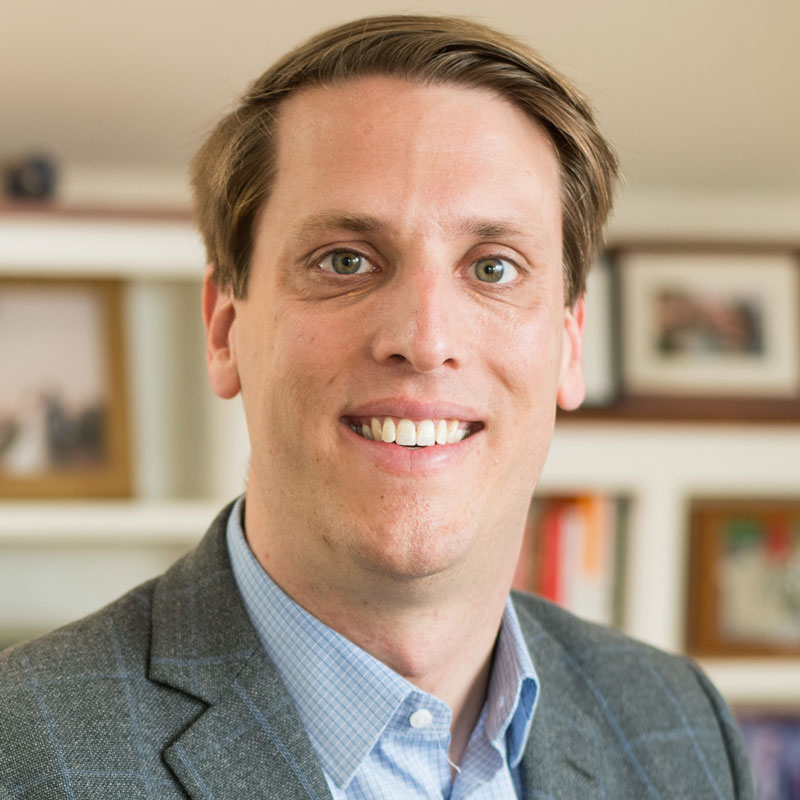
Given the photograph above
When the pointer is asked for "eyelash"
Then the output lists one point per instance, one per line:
(344, 251)
(319, 260)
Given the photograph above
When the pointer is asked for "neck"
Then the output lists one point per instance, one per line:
(444, 650)
(437, 631)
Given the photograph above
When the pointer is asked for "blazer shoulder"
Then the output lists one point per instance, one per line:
(54, 689)
(658, 707)
(604, 656)
(74, 646)
(127, 620)
(580, 640)
(87, 710)
(79, 714)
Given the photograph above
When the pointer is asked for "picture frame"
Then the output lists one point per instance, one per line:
(771, 738)
(710, 326)
(63, 410)
(744, 578)
(600, 367)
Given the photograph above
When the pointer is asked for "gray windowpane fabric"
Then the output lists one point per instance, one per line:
(167, 693)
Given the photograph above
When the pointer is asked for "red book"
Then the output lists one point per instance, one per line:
(549, 554)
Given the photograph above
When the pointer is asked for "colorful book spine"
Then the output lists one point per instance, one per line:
(573, 555)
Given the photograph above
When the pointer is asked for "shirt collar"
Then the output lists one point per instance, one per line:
(344, 696)
(513, 691)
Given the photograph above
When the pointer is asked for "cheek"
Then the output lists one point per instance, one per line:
(532, 369)
(527, 357)
(308, 355)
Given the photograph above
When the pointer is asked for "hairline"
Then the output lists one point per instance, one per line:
(234, 172)
(364, 222)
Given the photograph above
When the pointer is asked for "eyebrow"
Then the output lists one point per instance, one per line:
(366, 223)
(339, 221)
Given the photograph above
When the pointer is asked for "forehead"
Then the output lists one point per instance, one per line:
(409, 149)
(369, 111)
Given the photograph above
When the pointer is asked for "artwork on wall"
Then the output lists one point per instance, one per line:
(63, 426)
(684, 331)
(710, 324)
(744, 578)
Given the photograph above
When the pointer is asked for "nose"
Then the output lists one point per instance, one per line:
(418, 321)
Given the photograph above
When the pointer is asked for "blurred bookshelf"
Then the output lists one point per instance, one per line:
(613, 499)
(63, 557)
(574, 554)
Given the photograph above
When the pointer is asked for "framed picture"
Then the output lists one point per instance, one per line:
(744, 578)
(710, 324)
(772, 740)
(63, 425)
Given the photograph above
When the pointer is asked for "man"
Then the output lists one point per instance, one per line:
(399, 218)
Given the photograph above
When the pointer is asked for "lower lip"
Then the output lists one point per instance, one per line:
(410, 460)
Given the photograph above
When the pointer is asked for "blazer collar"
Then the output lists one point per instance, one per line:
(249, 741)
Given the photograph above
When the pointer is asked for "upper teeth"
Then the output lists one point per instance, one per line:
(409, 433)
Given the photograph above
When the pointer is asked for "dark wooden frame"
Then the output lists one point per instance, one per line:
(703, 637)
(113, 479)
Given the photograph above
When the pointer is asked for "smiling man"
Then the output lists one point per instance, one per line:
(399, 218)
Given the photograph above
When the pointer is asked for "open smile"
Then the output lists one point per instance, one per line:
(412, 433)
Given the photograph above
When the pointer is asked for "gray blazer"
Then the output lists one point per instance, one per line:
(167, 693)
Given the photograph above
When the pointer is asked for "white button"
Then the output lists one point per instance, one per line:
(421, 718)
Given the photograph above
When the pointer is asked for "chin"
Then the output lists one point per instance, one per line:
(415, 547)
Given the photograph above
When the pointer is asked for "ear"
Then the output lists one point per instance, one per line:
(571, 386)
(219, 319)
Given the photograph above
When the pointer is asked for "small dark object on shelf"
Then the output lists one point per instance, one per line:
(31, 178)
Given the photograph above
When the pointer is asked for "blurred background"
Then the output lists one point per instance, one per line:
(681, 478)
(699, 98)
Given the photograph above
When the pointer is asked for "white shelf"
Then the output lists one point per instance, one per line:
(104, 522)
(100, 248)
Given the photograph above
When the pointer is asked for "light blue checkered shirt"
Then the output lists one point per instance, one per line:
(358, 712)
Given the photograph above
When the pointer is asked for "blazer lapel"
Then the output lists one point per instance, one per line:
(564, 752)
(249, 741)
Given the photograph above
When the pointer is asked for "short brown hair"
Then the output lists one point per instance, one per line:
(234, 170)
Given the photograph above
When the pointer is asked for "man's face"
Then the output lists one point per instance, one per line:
(407, 267)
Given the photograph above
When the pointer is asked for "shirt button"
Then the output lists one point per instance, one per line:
(421, 718)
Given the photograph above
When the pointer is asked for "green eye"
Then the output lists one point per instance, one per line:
(346, 263)
(494, 270)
